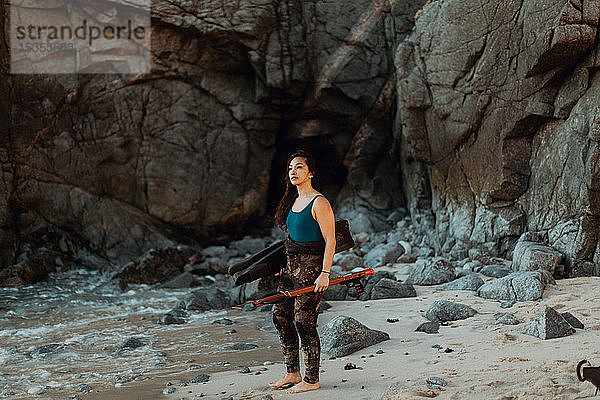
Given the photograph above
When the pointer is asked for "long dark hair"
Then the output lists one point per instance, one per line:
(285, 205)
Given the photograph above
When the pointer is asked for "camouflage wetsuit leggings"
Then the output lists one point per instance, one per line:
(301, 270)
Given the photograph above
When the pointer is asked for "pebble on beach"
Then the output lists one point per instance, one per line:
(169, 390)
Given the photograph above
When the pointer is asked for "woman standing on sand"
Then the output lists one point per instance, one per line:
(310, 222)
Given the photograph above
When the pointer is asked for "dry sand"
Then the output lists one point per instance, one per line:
(487, 361)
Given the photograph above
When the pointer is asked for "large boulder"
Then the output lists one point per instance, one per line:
(32, 267)
(206, 299)
(338, 292)
(374, 280)
(444, 310)
(348, 261)
(248, 246)
(530, 256)
(495, 270)
(383, 254)
(342, 336)
(391, 289)
(254, 290)
(549, 325)
(437, 271)
(505, 319)
(157, 265)
(517, 286)
(184, 280)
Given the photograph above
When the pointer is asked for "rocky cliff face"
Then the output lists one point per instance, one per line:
(495, 99)
(480, 118)
(110, 166)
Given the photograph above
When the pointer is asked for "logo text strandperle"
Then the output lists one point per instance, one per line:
(82, 32)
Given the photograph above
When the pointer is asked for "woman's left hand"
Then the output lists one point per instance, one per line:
(322, 282)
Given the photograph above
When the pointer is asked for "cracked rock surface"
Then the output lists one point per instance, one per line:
(495, 101)
(115, 166)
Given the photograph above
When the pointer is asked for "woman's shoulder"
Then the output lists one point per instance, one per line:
(320, 197)
(320, 201)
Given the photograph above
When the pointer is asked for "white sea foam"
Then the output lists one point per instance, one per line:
(37, 332)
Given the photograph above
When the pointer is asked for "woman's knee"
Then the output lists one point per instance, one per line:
(282, 321)
(306, 325)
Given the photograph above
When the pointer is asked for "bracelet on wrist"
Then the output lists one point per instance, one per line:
(325, 272)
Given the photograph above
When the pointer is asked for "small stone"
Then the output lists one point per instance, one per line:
(200, 378)
(245, 370)
(132, 343)
(379, 351)
(431, 386)
(230, 332)
(223, 321)
(35, 390)
(505, 318)
(434, 380)
(267, 397)
(169, 390)
(85, 388)
(173, 317)
(243, 346)
(428, 327)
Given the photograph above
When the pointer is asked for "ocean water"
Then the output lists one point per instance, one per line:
(62, 338)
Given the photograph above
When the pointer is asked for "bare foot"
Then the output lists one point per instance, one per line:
(303, 387)
(288, 379)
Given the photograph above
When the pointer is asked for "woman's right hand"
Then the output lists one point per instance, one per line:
(280, 272)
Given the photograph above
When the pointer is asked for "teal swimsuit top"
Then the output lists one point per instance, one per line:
(302, 226)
